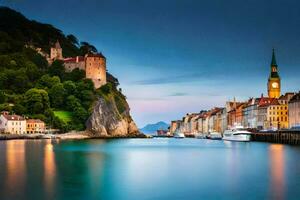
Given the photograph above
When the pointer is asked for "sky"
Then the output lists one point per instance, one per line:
(173, 57)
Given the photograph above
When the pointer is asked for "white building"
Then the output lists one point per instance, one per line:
(294, 111)
(12, 124)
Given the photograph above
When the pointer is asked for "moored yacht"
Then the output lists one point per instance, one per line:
(200, 136)
(213, 135)
(178, 134)
(238, 133)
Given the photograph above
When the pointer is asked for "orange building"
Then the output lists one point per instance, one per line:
(35, 126)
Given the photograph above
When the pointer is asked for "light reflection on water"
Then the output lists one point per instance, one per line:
(277, 171)
(147, 169)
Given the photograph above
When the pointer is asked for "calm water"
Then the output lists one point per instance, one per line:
(148, 169)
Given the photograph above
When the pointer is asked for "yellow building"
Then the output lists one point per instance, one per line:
(35, 126)
(274, 84)
(277, 115)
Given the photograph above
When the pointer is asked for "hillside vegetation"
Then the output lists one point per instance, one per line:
(30, 87)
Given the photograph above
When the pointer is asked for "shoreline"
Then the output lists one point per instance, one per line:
(67, 136)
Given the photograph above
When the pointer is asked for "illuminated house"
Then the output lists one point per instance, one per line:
(35, 126)
(12, 124)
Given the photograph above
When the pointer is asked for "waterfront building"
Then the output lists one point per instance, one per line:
(194, 124)
(250, 113)
(274, 84)
(294, 111)
(224, 121)
(272, 114)
(174, 126)
(206, 122)
(35, 126)
(12, 124)
(235, 115)
(200, 122)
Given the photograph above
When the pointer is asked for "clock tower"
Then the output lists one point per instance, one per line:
(274, 79)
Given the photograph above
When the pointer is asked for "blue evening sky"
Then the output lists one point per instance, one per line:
(178, 56)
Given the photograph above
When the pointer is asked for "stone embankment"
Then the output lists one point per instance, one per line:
(283, 137)
(66, 136)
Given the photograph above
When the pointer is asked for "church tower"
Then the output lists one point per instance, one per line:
(274, 79)
(56, 52)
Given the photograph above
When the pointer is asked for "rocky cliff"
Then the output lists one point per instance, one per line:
(110, 115)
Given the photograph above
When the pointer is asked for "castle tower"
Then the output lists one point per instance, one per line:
(56, 52)
(274, 79)
(95, 69)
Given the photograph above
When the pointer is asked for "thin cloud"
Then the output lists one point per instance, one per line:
(178, 94)
(171, 79)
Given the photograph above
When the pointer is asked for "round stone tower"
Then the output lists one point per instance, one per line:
(95, 68)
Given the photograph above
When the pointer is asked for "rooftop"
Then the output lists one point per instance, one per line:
(13, 117)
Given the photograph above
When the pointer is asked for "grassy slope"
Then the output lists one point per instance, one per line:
(66, 116)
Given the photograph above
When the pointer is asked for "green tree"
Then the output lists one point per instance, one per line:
(81, 114)
(47, 82)
(57, 69)
(70, 87)
(36, 101)
(2, 96)
(57, 95)
(75, 75)
(72, 103)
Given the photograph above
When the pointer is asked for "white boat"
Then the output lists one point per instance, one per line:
(214, 135)
(238, 133)
(200, 136)
(177, 134)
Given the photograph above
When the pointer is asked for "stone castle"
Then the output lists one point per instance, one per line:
(93, 64)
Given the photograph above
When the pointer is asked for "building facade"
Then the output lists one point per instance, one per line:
(94, 64)
(294, 111)
(12, 124)
(35, 126)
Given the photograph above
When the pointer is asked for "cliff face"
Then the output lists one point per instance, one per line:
(110, 117)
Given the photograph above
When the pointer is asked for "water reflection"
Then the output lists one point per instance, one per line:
(277, 167)
(15, 165)
(49, 168)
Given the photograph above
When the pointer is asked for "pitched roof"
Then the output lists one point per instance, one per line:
(266, 101)
(295, 98)
(57, 45)
(34, 121)
(14, 117)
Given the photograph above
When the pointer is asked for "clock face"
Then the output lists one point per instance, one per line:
(275, 85)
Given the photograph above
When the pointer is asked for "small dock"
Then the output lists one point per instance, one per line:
(282, 137)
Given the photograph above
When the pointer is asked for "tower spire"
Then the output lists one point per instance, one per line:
(273, 63)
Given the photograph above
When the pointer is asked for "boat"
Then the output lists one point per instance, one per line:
(200, 136)
(214, 135)
(238, 133)
(177, 134)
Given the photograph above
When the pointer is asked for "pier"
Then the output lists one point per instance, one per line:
(283, 137)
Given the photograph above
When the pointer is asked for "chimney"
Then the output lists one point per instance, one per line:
(77, 59)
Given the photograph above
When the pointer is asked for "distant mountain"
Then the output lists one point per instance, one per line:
(152, 128)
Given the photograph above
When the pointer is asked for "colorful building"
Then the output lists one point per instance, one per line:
(35, 126)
